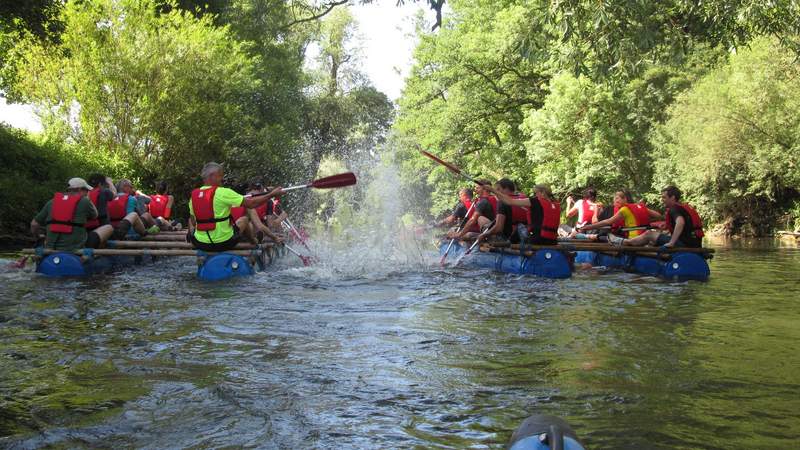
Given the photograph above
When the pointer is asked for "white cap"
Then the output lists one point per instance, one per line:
(79, 183)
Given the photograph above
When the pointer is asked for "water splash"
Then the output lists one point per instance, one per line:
(363, 231)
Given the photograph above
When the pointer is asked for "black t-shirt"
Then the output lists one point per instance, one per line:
(103, 198)
(484, 208)
(687, 235)
(505, 210)
(537, 216)
(460, 211)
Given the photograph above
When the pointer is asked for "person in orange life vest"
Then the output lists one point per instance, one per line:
(210, 225)
(124, 218)
(586, 209)
(682, 221)
(544, 213)
(460, 210)
(65, 217)
(627, 214)
(142, 202)
(160, 208)
(483, 213)
(103, 191)
(511, 222)
(259, 217)
(271, 213)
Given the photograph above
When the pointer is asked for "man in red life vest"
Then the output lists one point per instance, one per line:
(65, 217)
(123, 216)
(460, 210)
(210, 225)
(544, 214)
(142, 203)
(682, 221)
(483, 213)
(510, 220)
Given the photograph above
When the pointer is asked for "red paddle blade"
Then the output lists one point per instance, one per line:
(335, 181)
(451, 167)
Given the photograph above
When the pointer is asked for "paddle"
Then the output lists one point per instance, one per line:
(307, 260)
(460, 226)
(451, 167)
(333, 181)
(18, 264)
(288, 225)
(474, 244)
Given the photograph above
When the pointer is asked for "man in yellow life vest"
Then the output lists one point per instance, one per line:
(210, 226)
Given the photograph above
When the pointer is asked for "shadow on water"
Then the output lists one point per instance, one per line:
(405, 356)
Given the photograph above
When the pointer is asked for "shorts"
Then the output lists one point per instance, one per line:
(92, 240)
(665, 238)
(230, 244)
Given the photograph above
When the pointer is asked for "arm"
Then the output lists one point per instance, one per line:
(255, 202)
(259, 225)
(472, 220)
(572, 206)
(680, 222)
(603, 223)
(654, 214)
(508, 200)
(36, 228)
(499, 222)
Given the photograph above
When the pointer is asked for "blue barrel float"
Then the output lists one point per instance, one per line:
(546, 263)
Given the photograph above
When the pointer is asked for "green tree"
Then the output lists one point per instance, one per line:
(164, 91)
(732, 140)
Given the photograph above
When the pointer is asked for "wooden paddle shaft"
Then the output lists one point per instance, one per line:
(138, 252)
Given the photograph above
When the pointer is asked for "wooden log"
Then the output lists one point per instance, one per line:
(138, 252)
(165, 238)
(174, 244)
(512, 251)
(604, 247)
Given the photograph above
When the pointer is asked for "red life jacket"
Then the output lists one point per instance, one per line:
(62, 213)
(117, 209)
(697, 223)
(492, 201)
(94, 195)
(586, 213)
(237, 212)
(203, 208)
(551, 219)
(262, 211)
(467, 204)
(158, 206)
(519, 214)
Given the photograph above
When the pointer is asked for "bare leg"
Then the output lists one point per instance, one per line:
(247, 231)
(148, 220)
(104, 232)
(483, 221)
(648, 238)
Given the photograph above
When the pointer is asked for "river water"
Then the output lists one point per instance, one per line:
(357, 353)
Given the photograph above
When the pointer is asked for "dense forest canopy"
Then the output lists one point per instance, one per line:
(613, 95)
(575, 93)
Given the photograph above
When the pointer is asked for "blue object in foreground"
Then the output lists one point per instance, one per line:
(680, 266)
(223, 266)
(71, 265)
(541, 432)
(546, 263)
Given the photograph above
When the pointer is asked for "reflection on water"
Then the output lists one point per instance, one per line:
(402, 358)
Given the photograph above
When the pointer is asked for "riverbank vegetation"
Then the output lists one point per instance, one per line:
(160, 87)
(579, 93)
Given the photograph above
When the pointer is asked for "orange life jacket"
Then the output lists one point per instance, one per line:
(518, 213)
(158, 206)
(62, 213)
(94, 195)
(697, 223)
(551, 219)
(203, 208)
(117, 209)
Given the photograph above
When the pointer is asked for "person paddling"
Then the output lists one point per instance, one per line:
(629, 220)
(544, 212)
(460, 210)
(210, 225)
(685, 228)
(483, 213)
(65, 216)
(511, 221)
